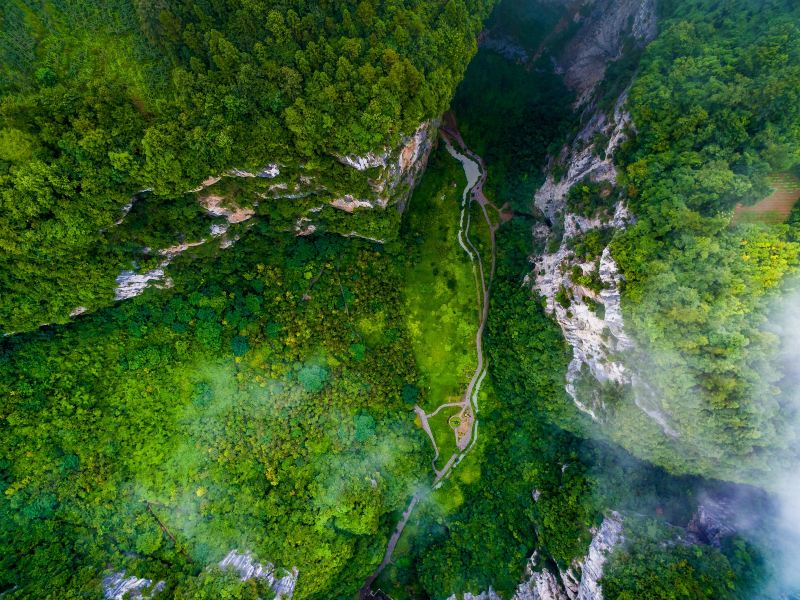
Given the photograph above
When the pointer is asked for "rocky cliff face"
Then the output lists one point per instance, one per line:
(602, 29)
(596, 336)
(590, 315)
(282, 584)
(390, 177)
(118, 587)
(579, 582)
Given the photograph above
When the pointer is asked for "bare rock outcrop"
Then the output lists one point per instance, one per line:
(605, 539)
(130, 283)
(595, 336)
(118, 587)
(349, 203)
(604, 28)
(405, 166)
(539, 584)
(281, 583)
(218, 206)
(580, 582)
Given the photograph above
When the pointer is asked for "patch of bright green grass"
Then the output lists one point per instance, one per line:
(440, 297)
(444, 435)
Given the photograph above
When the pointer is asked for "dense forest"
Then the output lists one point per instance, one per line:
(716, 110)
(266, 398)
(102, 100)
(260, 407)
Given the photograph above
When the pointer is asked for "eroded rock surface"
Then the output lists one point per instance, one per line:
(605, 25)
(580, 582)
(130, 283)
(281, 583)
(218, 206)
(118, 587)
(605, 539)
(538, 585)
(595, 336)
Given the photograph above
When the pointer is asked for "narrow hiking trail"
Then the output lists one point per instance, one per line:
(467, 431)
(475, 172)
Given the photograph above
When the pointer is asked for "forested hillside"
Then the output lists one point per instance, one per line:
(357, 383)
(102, 100)
(716, 105)
(260, 408)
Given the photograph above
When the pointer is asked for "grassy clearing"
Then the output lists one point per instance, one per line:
(440, 296)
(444, 435)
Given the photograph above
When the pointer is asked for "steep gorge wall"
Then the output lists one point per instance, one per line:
(591, 317)
(387, 181)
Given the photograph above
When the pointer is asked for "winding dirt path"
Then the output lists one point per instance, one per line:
(475, 171)
(366, 591)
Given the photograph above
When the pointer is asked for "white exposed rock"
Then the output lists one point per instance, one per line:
(594, 339)
(580, 581)
(538, 585)
(131, 283)
(172, 251)
(207, 183)
(571, 583)
(269, 172)
(245, 565)
(234, 213)
(410, 162)
(583, 161)
(348, 203)
(362, 163)
(218, 230)
(125, 210)
(78, 310)
(119, 587)
(353, 234)
(228, 242)
(601, 39)
(304, 227)
(610, 296)
(603, 543)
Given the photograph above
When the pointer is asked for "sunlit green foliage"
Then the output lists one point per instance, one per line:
(440, 296)
(234, 411)
(716, 109)
(100, 100)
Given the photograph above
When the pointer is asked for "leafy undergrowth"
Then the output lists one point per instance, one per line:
(246, 411)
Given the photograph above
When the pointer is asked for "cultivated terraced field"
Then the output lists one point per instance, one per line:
(776, 207)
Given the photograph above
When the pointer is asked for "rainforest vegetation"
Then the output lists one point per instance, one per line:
(717, 108)
(261, 398)
(101, 100)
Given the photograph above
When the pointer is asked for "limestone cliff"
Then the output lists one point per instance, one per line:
(579, 582)
(601, 29)
(389, 177)
(583, 292)
(281, 583)
(596, 336)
